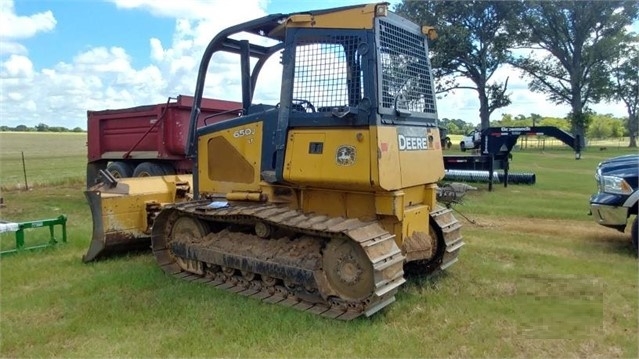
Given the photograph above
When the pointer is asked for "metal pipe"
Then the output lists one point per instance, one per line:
(483, 177)
(521, 178)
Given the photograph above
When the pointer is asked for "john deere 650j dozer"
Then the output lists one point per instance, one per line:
(320, 202)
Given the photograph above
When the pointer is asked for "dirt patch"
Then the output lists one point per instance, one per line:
(562, 228)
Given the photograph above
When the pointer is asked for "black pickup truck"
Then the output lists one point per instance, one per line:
(618, 193)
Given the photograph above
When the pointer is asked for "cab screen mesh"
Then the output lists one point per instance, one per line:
(405, 70)
(327, 73)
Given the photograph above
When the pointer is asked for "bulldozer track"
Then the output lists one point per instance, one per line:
(300, 281)
(447, 229)
(451, 231)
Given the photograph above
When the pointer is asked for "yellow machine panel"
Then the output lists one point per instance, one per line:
(335, 158)
(121, 213)
(339, 203)
(359, 17)
(126, 210)
(229, 160)
(408, 156)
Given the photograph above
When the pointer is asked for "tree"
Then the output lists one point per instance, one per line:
(507, 120)
(41, 127)
(605, 126)
(561, 123)
(625, 87)
(456, 126)
(580, 39)
(535, 118)
(472, 44)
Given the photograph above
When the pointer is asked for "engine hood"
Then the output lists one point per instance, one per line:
(626, 167)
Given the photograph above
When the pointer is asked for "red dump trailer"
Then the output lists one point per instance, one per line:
(147, 140)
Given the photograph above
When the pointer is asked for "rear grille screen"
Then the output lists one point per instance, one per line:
(405, 70)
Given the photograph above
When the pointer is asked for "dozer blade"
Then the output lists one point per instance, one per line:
(123, 211)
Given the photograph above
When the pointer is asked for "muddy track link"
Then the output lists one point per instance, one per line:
(291, 274)
(451, 231)
(446, 228)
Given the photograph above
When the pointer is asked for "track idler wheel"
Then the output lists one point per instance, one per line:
(169, 230)
(348, 270)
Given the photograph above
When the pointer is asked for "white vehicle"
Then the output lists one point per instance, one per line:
(470, 140)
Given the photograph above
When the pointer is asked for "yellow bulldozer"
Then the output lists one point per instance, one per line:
(320, 202)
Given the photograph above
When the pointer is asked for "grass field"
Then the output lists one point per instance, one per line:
(49, 158)
(537, 278)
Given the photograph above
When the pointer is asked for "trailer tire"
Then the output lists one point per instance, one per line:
(462, 147)
(148, 169)
(120, 169)
(168, 169)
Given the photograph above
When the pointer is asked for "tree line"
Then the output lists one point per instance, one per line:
(575, 52)
(41, 127)
(601, 126)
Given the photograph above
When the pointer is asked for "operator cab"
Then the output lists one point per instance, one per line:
(396, 90)
(374, 71)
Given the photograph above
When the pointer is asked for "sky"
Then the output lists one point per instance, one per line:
(60, 58)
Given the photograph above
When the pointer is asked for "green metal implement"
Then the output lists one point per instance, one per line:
(19, 228)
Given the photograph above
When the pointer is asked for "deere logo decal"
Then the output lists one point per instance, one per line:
(345, 155)
(410, 143)
(412, 138)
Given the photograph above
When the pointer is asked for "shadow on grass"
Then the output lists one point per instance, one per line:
(423, 280)
(123, 255)
(613, 243)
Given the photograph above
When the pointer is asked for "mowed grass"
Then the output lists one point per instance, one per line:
(537, 278)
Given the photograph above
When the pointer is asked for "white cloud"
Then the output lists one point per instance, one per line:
(103, 60)
(107, 77)
(9, 48)
(464, 104)
(221, 10)
(157, 52)
(99, 78)
(13, 26)
(17, 66)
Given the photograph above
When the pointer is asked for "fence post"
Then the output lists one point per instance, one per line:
(24, 169)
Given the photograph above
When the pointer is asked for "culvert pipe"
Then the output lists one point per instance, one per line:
(483, 177)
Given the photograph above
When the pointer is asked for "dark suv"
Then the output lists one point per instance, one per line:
(618, 193)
